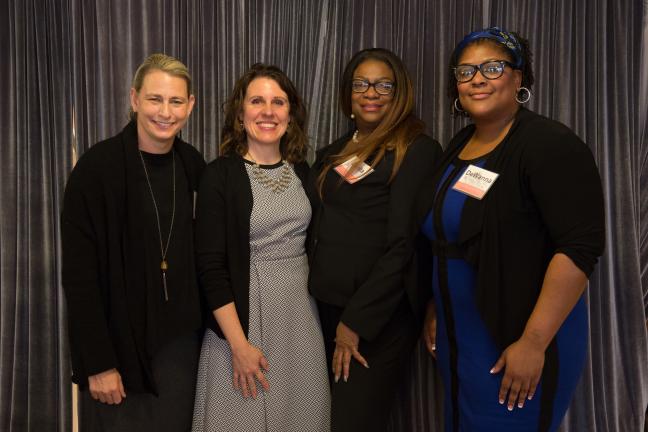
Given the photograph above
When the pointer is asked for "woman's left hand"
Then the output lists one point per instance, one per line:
(522, 362)
(346, 346)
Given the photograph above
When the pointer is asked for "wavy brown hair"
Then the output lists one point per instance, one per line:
(294, 143)
(397, 129)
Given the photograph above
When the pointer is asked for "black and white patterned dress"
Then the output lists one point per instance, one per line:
(283, 323)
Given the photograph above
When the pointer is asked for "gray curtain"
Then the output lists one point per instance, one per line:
(64, 86)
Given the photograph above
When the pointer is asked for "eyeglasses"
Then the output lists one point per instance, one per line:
(491, 70)
(382, 87)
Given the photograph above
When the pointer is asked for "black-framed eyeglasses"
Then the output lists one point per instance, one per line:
(491, 70)
(381, 87)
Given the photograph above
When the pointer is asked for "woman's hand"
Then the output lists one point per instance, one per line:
(247, 364)
(107, 387)
(346, 346)
(522, 362)
(429, 329)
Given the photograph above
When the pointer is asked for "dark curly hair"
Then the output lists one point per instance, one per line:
(294, 143)
(526, 68)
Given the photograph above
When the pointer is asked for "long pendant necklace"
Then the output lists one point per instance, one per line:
(164, 265)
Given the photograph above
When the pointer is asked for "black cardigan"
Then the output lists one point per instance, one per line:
(223, 213)
(104, 260)
(548, 199)
(362, 261)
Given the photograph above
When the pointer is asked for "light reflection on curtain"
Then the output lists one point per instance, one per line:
(71, 62)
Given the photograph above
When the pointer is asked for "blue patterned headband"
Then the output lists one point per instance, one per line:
(503, 37)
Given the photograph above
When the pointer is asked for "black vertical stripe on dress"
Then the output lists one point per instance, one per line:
(549, 386)
(445, 294)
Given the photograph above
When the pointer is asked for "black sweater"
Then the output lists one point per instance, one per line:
(223, 213)
(547, 199)
(109, 281)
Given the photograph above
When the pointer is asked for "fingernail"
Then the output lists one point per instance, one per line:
(510, 407)
(346, 378)
(433, 347)
(366, 365)
(337, 378)
(501, 401)
(492, 371)
(521, 405)
(530, 397)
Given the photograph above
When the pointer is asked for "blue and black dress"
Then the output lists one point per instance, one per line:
(482, 247)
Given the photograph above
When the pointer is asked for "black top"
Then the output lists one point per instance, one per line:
(111, 278)
(223, 213)
(547, 199)
(362, 236)
(170, 316)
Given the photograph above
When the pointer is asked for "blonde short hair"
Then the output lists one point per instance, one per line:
(164, 63)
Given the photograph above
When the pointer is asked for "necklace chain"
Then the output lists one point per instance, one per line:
(163, 249)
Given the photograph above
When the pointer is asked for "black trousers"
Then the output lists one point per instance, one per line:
(175, 369)
(364, 402)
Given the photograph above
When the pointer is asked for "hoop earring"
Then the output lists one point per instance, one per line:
(524, 99)
(457, 106)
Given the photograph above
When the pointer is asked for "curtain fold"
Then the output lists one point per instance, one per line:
(65, 86)
(35, 125)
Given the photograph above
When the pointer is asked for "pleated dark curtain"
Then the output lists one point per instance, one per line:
(64, 86)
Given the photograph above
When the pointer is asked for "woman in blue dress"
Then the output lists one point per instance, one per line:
(515, 225)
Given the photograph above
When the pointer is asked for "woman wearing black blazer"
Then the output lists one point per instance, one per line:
(252, 217)
(363, 186)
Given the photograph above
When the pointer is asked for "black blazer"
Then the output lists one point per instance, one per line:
(223, 213)
(105, 261)
(362, 235)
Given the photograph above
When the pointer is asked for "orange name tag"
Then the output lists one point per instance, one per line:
(358, 174)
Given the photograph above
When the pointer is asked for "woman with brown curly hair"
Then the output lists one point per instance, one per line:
(252, 215)
(363, 186)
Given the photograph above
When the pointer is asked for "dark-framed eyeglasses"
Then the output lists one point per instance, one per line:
(491, 70)
(381, 87)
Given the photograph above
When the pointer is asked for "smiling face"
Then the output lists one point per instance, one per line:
(369, 108)
(163, 106)
(486, 99)
(266, 113)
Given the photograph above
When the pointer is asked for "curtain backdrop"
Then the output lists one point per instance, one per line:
(64, 86)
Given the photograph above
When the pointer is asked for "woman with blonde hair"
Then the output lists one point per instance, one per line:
(128, 269)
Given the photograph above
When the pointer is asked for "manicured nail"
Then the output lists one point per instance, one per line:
(337, 378)
(530, 397)
(520, 404)
(510, 407)
(433, 347)
(346, 377)
(366, 365)
(501, 401)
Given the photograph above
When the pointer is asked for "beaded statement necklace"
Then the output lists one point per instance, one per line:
(164, 265)
(276, 185)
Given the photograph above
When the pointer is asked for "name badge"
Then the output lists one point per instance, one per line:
(475, 181)
(358, 174)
